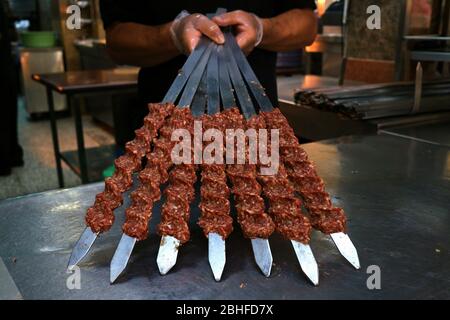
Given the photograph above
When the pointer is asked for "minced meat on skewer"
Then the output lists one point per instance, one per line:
(100, 216)
(214, 205)
(284, 207)
(154, 175)
(302, 173)
(253, 219)
(179, 195)
(176, 210)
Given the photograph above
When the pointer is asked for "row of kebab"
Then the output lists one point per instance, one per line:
(292, 201)
(285, 208)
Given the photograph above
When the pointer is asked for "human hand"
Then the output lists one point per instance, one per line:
(248, 27)
(187, 29)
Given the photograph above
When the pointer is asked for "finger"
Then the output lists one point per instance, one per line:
(228, 19)
(242, 40)
(192, 39)
(245, 43)
(209, 29)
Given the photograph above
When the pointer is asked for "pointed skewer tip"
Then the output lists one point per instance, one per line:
(121, 257)
(82, 247)
(346, 248)
(216, 254)
(167, 254)
(263, 255)
(307, 261)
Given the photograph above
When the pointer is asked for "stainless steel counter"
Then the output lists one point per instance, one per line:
(438, 134)
(396, 193)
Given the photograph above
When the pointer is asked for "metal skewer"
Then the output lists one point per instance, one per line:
(216, 244)
(167, 254)
(194, 80)
(168, 247)
(307, 261)
(121, 256)
(199, 102)
(82, 247)
(212, 78)
(249, 75)
(207, 94)
(216, 254)
(238, 62)
(263, 255)
(195, 89)
(261, 247)
(189, 66)
(226, 90)
(201, 80)
(346, 248)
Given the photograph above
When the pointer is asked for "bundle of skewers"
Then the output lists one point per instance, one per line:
(217, 89)
(377, 101)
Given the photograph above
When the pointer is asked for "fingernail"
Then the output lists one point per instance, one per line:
(221, 39)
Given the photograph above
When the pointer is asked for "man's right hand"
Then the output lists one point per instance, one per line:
(187, 29)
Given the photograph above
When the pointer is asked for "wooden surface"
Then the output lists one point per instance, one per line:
(89, 80)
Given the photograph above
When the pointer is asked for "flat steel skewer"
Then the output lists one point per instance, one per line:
(249, 75)
(238, 62)
(167, 254)
(307, 261)
(346, 248)
(263, 255)
(216, 244)
(194, 95)
(216, 254)
(226, 90)
(183, 76)
(121, 256)
(261, 247)
(82, 247)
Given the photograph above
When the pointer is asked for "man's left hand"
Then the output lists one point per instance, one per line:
(249, 28)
